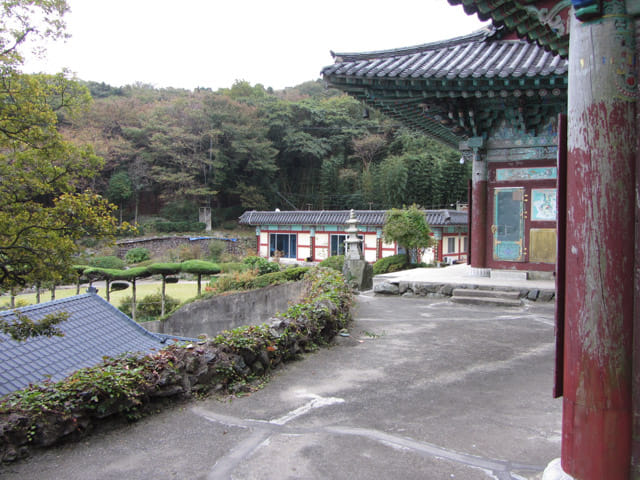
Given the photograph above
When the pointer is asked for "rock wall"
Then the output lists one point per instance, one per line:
(224, 312)
(158, 245)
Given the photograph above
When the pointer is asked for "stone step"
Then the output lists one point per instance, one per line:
(494, 302)
(467, 292)
(517, 275)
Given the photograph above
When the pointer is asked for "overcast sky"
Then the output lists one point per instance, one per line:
(211, 43)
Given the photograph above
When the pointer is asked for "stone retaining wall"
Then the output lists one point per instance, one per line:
(223, 312)
(159, 245)
(446, 290)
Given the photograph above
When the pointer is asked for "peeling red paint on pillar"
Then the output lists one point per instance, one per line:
(635, 396)
(479, 213)
(596, 436)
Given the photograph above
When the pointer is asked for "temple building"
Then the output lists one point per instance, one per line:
(314, 235)
(496, 100)
(495, 95)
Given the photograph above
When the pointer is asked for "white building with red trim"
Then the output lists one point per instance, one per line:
(314, 235)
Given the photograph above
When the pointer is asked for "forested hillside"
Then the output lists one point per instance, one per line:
(167, 152)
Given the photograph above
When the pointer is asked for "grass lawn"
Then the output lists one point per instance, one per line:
(179, 291)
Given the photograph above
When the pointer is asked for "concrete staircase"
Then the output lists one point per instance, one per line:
(499, 298)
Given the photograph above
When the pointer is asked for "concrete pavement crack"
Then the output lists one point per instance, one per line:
(262, 430)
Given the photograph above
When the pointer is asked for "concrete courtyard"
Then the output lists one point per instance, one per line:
(421, 389)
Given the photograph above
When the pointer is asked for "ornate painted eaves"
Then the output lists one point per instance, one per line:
(459, 88)
(544, 22)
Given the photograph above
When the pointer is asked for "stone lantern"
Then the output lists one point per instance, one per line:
(353, 248)
(356, 270)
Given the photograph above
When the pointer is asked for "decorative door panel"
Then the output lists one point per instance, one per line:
(508, 224)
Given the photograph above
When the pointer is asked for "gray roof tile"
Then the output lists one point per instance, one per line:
(480, 54)
(340, 217)
(94, 329)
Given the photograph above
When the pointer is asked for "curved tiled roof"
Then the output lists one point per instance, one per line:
(545, 26)
(472, 56)
(95, 329)
(340, 217)
(459, 88)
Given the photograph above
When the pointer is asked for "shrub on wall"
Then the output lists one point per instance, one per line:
(336, 262)
(390, 264)
(137, 255)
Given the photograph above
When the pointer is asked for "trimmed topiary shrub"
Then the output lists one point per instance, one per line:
(137, 255)
(117, 286)
(336, 262)
(109, 261)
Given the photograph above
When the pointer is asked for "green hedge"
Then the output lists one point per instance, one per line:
(336, 262)
(149, 307)
(275, 278)
(390, 264)
(394, 264)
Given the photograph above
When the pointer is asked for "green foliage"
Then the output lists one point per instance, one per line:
(131, 274)
(262, 265)
(25, 21)
(149, 307)
(164, 269)
(200, 267)
(236, 280)
(43, 208)
(109, 261)
(137, 255)
(336, 262)
(117, 286)
(120, 189)
(216, 249)
(22, 327)
(125, 385)
(180, 211)
(275, 278)
(115, 386)
(229, 267)
(102, 273)
(409, 228)
(390, 264)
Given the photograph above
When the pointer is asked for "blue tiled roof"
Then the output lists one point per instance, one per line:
(339, 217)
(95, 329)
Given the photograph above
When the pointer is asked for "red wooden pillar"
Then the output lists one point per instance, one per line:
(635, 395)
(596, 434)
(312, 237)
(258, 242)
(479, 229)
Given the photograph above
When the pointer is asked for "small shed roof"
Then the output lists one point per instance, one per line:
(95, 329)
(340, 217)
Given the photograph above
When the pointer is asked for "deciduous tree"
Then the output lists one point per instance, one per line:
(408, 227)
